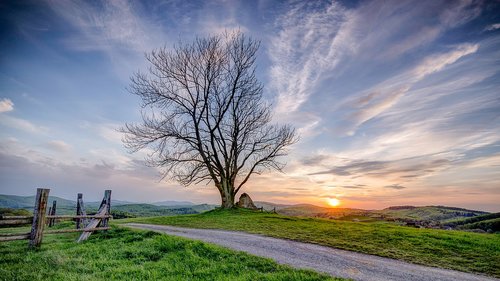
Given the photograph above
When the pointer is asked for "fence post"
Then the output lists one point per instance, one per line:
(104, 210)
(52, 212)
(36, 235)
(106, 200)
(79, 210)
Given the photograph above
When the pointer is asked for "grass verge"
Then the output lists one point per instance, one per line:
(123, 254)
(458, 250)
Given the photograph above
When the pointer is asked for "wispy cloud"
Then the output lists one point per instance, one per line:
(58, 146)
(21, 124)
(492, 27)
(6, 105)
(308, 43)
(317, 42)
(402, 169)
(372, 102)
(110, 132)
(108, 25)
(395, 186)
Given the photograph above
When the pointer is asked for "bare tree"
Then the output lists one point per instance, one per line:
(203, 115)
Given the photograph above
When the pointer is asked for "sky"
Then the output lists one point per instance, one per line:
(396, 102)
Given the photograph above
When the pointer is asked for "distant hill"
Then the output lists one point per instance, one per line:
(173, 203)
(149, 210)
(309, 210)
(28, 202)
(431, 213)
(268, 206)
(119, 208)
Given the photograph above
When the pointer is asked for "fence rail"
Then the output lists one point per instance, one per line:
(39, 219)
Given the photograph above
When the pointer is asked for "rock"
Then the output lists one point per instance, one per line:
(246, 202)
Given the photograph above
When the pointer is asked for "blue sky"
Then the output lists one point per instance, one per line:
(396, 102)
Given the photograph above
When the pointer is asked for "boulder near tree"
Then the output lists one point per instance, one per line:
(203, 116)
(246, 202)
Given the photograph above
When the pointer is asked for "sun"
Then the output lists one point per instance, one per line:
(334, 202)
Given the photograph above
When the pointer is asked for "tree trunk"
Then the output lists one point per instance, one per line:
(227, 195)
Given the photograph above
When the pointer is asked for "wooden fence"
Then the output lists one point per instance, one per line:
(99, 221)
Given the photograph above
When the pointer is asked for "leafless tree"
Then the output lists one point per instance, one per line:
(204, 119)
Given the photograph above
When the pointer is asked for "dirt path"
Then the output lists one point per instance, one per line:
(335, 262)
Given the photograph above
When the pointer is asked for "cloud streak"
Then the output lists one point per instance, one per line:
(108, 25)
(308, 43)
(372, 102)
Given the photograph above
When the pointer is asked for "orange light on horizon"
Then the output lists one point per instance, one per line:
(334, 202)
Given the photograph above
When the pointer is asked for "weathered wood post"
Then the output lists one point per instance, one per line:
(106, 200)
(101, 219)
(52, 212)
(36, 235)
(80, 211)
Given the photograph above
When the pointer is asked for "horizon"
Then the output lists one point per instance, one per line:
(326, 205)
(397, 103)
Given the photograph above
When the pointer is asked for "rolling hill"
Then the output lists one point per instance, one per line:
(423, 216)
(432, 213)
(173, 203)
(487, 222)
(119, 208)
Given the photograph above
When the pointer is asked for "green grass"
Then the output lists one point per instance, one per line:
(123, 254)
(464, 251)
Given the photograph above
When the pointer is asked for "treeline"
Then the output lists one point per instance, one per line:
(488, 223)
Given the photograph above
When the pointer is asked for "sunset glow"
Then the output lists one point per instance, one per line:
(334, 202)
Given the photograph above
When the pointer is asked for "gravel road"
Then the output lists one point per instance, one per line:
(332, 261)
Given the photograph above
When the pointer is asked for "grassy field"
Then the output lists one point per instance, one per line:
(471, 252)
(123, 254)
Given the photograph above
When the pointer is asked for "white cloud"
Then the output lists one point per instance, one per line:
(21, 124)
(438, 62)
(492, 27)
(110, 133)
(6, 105)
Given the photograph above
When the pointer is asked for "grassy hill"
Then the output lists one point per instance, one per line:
(268, 206)
(433, 213)
(426, 216)
(123, 254)
(457, 250)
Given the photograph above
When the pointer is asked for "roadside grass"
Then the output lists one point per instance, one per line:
(124, 254)
(458, 250)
